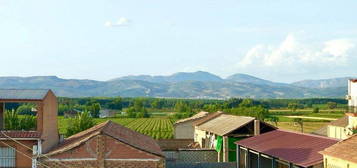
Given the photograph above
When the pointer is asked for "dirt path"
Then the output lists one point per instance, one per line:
(314, 118)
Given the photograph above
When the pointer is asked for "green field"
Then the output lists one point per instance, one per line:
(158, 128)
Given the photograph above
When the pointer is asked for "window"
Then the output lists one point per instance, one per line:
(7, 157)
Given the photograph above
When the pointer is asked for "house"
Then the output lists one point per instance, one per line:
(335, 129)
(71, 113)
(282, 149)
(346, 126)
(184, 129)
(106, 145)
(21, 147)
(341, 155)
(352, 94)
(105, 113)
(221, 131)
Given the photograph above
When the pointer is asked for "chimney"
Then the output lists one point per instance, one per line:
(256, 127)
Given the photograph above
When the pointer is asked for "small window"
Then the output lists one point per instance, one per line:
(7, 157)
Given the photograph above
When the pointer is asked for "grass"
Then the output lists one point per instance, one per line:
(309, 127)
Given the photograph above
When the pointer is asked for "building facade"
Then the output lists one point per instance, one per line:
(22, 147)
(107, 145)
(282, 149)
(352, 93)
(342, 154)
(221, 132)
(184, 129)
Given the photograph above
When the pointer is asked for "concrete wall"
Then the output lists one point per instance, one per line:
(21, 160)
(331, 162)
(184, 130)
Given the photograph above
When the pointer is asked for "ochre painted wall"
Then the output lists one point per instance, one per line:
(332, 162)
(336, 132)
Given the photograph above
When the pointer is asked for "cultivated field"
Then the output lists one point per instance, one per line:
(158, 128)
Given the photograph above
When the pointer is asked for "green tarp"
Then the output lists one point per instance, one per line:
(231, 146)
(219, 143)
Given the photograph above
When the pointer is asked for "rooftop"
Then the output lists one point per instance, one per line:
(194, 117)
(20, 134)
(208, 117)
(300, 149)
(345, 150)
(225, 124)
(109, 128)
(23, 94)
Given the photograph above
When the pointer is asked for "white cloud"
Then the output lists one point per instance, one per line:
(293, 52)
(122, 21)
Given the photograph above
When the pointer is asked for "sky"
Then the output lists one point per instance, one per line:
(279, 40)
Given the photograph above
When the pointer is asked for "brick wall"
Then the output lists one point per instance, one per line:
(103, 151)
(21, 160)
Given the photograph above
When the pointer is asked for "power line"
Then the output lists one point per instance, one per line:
(30, 148)
(23, 153)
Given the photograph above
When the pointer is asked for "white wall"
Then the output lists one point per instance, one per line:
(352, 93)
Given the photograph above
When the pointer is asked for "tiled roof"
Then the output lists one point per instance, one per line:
(23, 94)
(210, 116)
(322, 131)
(194, 117)
(225, 124)
(174, 144)
(109, 128)
(300, 149)
(341, 122)
(345, 150)
(20, 134)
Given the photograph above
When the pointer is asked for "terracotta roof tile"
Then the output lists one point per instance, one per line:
(20, 134)
(300, 149)
(345, 150)
(341, 122)
(116, 131)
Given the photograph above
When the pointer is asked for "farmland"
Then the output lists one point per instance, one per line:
(158, 128)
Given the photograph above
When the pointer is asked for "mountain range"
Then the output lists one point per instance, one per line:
(182, 85)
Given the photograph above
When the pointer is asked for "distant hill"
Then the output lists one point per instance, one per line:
(182, 85)
(177, 77)
(323, 83)
(244, 78)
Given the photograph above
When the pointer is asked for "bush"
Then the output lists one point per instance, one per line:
(14, 122)
(80, 123)
(316, 110)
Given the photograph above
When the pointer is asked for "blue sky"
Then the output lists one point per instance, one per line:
(280, 40)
